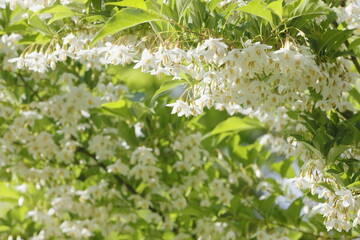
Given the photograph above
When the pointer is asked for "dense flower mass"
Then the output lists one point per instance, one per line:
(255, 80)
(349, 14)
(263, 140)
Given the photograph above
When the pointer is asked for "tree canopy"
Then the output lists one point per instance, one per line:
(179, 119)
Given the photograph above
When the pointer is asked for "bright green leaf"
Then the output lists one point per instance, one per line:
(213, 4)
(113, 105)
(130, 3)
(354, 185)
(354, 44)
(355, 94)
(58, 16)
(39, 25)
(234, 124)
(257, 8)
(310, 8)
(276, 7)
(123, 19)
(56, 9)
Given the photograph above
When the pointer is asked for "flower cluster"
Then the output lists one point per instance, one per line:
(9, 48)
(341, 205)
(100, 164)
(77, 49)
(349, 14)
(254, 80)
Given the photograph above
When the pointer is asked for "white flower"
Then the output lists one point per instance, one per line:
(118, 167)
(302, 182)
(147, 61)
(230, 235)
(180, 108)
(180, 203)
(346, 197)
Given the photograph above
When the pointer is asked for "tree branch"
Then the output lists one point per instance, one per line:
(27, 85)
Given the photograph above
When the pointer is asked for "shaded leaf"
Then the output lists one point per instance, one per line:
(336, 151)
(167, 86)
(312, 149)
(293, 212)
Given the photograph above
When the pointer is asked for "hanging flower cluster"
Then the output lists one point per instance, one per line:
(341, 206)
(255, 80)
(349, 14)
(99, 162)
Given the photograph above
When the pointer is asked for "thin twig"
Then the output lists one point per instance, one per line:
(27, 85)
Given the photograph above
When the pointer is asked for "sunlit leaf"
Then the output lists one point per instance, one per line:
(130, 3)
(123, 19)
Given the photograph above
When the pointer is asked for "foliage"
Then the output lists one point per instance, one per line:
(264, 143)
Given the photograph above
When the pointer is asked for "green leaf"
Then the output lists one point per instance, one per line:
(321, 140)
(56, 9)
(182, 6)
(58, 16)
(293, 212)
(139, 109)
(332, 39)
(354, 185)
(130, 3)
(114, 105)
(191, 211)
(4, 228)
(167, 86)
(124, 19)
(119, 108)
(284, 168)
(234, 124)
(276, 7)
(39, 25)
(293, 114)
(354, 44)
(355, 94)
(213, 4)
(328, 186)
(6, 192)
(313, 149)
(257, 8)
(336, 151)
(267, 205)
(309, 8)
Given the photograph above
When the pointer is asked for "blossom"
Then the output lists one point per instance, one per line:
(180, 108)
(346, 197)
